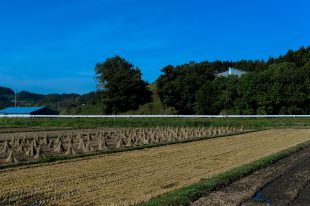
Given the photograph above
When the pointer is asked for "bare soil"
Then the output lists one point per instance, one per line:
(29, 129)
(287, 182)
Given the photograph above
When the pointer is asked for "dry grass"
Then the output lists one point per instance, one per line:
(131, 177)
(26, 147)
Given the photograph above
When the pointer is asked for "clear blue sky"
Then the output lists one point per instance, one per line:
(52, 46)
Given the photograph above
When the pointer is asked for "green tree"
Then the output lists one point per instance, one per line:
(178, 86)
(121, 85)
(217, 96)
(207, 97)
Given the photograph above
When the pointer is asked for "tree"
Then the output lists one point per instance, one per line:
(121, 85)
(217, 96)
(177, 87)
(206, 99)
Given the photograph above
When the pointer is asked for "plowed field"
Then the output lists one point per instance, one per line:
(131, 177)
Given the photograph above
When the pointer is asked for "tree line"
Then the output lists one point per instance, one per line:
(276, 86)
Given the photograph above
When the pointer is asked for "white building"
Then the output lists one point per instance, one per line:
(231, 71)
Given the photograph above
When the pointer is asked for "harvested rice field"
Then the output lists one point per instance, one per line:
(135, 176)
(30, 146)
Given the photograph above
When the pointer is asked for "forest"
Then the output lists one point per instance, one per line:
(277, 86)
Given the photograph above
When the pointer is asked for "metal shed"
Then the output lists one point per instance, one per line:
(28, 111)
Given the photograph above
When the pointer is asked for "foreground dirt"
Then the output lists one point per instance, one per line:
(284, 183)
(290, 188)
(131, 177)
(303, 198)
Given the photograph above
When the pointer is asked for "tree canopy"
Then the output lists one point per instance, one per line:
(121, 85)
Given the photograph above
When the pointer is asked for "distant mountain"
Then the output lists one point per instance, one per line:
(6, 97)
(28, 98)
(64, 103)
(60, 102)
(6, 91)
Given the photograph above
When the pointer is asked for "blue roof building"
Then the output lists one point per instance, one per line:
(28, 111)
(231, 71)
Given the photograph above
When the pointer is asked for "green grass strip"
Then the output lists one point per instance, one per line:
(188, 194)
(82, 123)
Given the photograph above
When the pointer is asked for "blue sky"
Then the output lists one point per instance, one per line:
(53, 46)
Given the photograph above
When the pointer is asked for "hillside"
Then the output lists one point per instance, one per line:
(6, 97)
(154, 107)
(64, 103)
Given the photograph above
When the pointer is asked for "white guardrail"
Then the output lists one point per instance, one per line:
(151, 116)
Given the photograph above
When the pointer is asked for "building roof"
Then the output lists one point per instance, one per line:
(231, 71)
(19, 110)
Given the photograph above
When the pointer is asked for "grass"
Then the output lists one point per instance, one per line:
(153, 107)
(62, 123)
(188, 194)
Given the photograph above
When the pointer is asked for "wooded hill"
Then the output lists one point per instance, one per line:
(276, 86)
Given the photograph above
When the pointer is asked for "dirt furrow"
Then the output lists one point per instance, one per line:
(283, 183)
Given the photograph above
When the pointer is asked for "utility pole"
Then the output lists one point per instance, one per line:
(15, 97)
